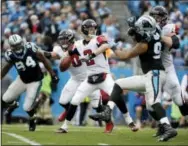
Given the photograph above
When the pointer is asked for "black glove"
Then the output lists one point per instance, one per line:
(131, 31)
(131, 21)
(55, 79)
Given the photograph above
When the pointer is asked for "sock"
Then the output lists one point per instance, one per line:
(121, 105)
(184, 109)
(160, 112)
(153, 114)
(71, 112)
(164, 120)
(111, 104)
(31, 112)
(66, 106)
(117, 98)
(127, 118)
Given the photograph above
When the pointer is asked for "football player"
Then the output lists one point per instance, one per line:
(25, 56)
(148, 47)
(77, 71)
(98, 73)
(172, 86)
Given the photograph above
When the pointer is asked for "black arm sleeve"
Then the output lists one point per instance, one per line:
(175, 42)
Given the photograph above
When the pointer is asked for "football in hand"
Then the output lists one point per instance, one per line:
(65, 63)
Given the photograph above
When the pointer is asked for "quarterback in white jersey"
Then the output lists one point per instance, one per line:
(172, 85)
(77, 70)
(98, 72)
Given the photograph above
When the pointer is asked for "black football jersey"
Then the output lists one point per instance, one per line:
(151, 60)
(26, 64)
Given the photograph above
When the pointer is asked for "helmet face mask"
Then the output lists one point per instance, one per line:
(92, 32)
(160, 14)
(18, 48)
(16, 43)
(66, 39)
(89, 28)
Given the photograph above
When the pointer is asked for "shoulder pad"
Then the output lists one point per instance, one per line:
(101, 39)
(169, 28)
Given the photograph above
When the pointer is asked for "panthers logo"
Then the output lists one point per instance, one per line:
(146, 24)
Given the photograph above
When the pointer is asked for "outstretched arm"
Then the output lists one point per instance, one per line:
(6, 67)
(140, 48)
(46, 63)
(51, 55)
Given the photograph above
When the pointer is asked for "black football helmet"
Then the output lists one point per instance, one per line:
(160, 14)
(66, 39)
(89, 27)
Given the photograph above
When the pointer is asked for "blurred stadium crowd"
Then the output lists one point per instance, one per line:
(41, 21)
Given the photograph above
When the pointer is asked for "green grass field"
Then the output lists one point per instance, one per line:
(45, 135)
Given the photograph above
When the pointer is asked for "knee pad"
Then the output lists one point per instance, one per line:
(177, 95)
(63, 101)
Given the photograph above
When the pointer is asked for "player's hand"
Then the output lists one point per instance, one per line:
(84, 58)
(87, 57)
(55, 78)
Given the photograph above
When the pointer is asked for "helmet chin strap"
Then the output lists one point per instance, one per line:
(92, 35)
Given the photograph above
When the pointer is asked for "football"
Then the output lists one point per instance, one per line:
(65, 63)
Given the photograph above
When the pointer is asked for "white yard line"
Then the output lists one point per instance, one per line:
(102, 144)
(21, 138)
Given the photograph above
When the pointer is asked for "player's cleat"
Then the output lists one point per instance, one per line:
(62, 116)
(109, 127)
(32, 124)
(105, 115)
(13, 106)
(61, 130)
(169, 133)
(160, 131)
(133, 127)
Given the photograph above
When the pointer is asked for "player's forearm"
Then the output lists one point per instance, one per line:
(171, 41)
(122, 55)
(5, 70)
(167, 41)
(46, 63)
(101, 49)
(51, 55)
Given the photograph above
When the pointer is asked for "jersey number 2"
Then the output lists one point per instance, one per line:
(92, 61)
(76, 62)
(29, 63)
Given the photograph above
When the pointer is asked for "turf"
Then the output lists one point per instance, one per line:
(45, 135)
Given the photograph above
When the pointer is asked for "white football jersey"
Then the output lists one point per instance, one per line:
(167, 58)
(99, 64)
(77, 69)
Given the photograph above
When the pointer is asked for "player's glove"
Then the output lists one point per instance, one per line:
(87, 57)
(131, 31)
(55, 79)
(131, 21)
